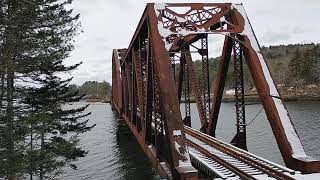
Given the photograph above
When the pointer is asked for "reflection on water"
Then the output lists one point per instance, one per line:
(260, 139)
(114, 153)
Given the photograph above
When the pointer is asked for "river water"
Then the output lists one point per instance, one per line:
(115, 155)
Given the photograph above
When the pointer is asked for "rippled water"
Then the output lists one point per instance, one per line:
(114, 153)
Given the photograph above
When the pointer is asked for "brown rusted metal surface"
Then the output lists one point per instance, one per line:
(194, 86)
(147, 93)
(218, 86)
(307, 164)
(241, 157)
(203, 51)
(170, 105)
(116, 82)
(240, 139)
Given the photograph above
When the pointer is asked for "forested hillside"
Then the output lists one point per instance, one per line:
(295, 65)
(93, 90)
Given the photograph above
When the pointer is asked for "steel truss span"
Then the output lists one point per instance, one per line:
(156, 74)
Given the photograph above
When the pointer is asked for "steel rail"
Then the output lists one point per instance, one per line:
(224, 163)
(264, 168)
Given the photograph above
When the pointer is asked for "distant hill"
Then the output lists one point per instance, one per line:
(290, 65)
(93, 90)
(293, 66)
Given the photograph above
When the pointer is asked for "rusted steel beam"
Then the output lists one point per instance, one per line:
(205, 75)
(194, 86)
(240, 156)
(139, 87)
(134, 98)
(187, 100)
(149, 150)
(143, 21)
(129, 90)
(240, 139)
(116, 82)
(170, 32)
(125, 91)
(219, 84)
(210, 26)
(222, 162)
(148, 96)
(287, 138)
(181, 165)
(173, 64)
(180, 79)
(144, 48)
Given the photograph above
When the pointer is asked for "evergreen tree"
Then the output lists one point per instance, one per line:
(315, 61)
(15, 18)
(295, 65)
(38, 132)
(54, 127)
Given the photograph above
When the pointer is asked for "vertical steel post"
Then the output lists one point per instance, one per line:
(240, 138)
(180, 79)
(136, 54)
(148, 95)
(219, 84)
(205, 75)
(187, 119)
(173, 64)
(194, 85)
(157, 115)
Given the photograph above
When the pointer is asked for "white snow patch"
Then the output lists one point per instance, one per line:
(230, 92)
(314, 176)
(291, 134)
(167, 45)
(185, 32)
(181, 19)
(160, 6)
(267, 75)
(163, 31)
(241, 151)
(201, 159)
(186, 161)
(247, 31)
(176, 132)
(178, 146)
(263, 177)
(222, 19)
(201, 29)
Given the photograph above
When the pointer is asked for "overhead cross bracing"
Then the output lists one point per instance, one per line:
(148, 89)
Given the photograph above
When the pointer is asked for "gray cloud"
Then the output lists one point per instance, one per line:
(275, 37)
(111, 24)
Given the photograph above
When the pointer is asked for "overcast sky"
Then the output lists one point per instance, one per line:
(109, 24)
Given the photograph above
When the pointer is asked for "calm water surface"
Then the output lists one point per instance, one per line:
(114, 153)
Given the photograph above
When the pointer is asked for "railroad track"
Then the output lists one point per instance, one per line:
(226, 161)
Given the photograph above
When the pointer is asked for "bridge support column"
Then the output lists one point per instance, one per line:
(240, 139)
(219, 84)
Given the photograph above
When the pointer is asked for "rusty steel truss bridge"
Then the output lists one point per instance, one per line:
(156, 74)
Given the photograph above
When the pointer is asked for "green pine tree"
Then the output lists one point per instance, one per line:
(295, 65)
(38, 135)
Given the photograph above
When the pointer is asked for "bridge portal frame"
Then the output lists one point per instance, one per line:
(148, 97)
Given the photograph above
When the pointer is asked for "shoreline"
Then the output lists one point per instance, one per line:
(286, 98)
